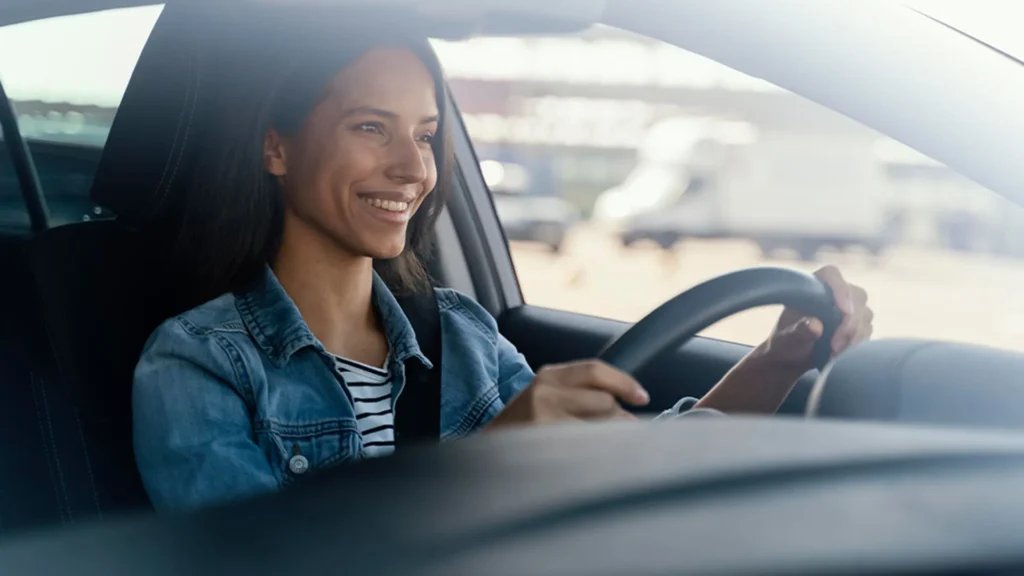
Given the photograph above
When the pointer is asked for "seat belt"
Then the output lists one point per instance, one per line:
(418, 410)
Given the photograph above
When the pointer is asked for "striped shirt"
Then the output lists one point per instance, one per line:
(371, 398)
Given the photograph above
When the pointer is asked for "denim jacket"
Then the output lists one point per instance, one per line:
(237, 396)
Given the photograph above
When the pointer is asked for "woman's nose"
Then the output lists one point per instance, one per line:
(406, 164)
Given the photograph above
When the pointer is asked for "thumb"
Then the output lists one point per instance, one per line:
(795, 343)
(805, 332)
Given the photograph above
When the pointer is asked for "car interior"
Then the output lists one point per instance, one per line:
(87, 278)
(100, 287)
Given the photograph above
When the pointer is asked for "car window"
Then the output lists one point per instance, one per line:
(661, 168)
(65, 77)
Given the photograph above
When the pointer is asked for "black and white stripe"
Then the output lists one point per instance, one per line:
(370, 388)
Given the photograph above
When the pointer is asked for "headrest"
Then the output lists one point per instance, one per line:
(188, 70)
(143, 153)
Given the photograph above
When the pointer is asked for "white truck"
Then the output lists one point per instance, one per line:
(800, 192)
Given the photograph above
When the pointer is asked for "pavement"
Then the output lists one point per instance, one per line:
(915, 292)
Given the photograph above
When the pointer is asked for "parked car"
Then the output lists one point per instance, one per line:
(528, 210)
(545, 220)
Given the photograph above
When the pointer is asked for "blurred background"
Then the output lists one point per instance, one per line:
(626, 170)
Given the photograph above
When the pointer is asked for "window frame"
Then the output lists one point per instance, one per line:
(24, 166)
(482, 243)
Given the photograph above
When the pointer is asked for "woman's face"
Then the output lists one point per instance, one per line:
(362, 162)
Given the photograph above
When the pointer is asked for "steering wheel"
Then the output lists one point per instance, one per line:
(685, 315)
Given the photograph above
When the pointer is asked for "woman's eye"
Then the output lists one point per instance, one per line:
(428, 138)
(371, 127)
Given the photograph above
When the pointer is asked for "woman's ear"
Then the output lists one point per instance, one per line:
(274, 160)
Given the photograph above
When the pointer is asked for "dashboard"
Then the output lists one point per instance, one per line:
(691, 496)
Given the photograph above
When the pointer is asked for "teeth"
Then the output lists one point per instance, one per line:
(389, 205)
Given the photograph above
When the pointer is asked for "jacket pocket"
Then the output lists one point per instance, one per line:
(295, 451)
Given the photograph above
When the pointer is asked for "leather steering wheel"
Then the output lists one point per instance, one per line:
(685, 315)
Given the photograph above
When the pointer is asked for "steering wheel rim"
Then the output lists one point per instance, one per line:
(670, 325)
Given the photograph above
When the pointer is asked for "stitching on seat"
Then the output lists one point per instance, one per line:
(88, 465)
(177, 130)
(49, 449)
(56, 456)
(194, 90)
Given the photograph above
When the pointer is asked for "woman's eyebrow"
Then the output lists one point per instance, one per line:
(371, 111)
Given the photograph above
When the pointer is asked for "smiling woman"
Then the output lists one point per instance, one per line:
(321, 138)
(341, 145)
(311, 174)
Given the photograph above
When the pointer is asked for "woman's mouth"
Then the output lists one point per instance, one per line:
(394, 211)
(389, 205)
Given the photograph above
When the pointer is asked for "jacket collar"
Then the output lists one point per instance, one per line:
(274, 322)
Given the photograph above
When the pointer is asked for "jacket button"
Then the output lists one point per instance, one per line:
(298, 464)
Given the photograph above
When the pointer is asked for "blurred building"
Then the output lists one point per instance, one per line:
(579, 109)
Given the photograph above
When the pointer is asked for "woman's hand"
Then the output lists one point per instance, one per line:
(761, 381)
(790, 347)
(585, 390)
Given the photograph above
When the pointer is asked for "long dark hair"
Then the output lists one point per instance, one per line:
(232, 213)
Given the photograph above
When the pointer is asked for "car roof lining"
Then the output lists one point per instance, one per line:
(451, 19)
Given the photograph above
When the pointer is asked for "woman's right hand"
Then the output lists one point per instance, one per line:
(584, 390)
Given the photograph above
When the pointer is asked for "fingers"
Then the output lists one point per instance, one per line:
(585, 390)
(792, 341)
(590, 404)
(599, 376)
(853, 328)
(808, 329)
(841, 290)
(866, 328)
(852, 301)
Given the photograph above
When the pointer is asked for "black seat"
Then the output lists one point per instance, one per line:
(40, 445)
(104, 286)
(45, 473)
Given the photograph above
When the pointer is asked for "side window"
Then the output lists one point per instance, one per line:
(65, 77)
(626, 170)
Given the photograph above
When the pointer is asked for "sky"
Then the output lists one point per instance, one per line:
(88, 58)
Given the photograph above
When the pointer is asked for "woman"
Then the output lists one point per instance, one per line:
(297, 361)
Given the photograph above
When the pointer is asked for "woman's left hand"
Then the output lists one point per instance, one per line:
(761, 381)
(791, 344)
